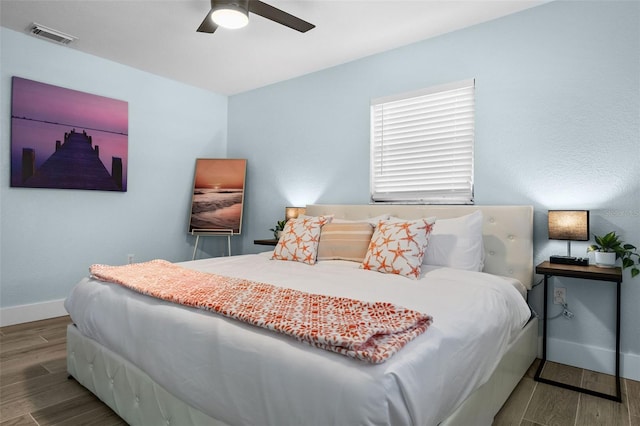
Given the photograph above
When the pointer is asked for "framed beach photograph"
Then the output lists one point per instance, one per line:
(218, 196)
(64, 138)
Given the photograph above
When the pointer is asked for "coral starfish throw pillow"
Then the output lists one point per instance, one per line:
(299, 240)
(398, 247)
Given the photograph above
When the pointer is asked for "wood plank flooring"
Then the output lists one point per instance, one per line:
(34, 389)
(539, 404)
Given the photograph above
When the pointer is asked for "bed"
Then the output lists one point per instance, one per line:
(155, 362)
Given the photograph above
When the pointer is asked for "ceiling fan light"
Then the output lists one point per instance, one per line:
(231, 17)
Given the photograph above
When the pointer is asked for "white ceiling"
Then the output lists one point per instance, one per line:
(159, 36)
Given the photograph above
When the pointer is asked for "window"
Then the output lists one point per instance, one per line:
(422, 145)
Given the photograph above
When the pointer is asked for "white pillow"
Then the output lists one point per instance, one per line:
(457, 243)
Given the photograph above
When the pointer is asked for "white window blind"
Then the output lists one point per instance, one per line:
(422, 145)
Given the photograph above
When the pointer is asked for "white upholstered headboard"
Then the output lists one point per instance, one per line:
(507, 230)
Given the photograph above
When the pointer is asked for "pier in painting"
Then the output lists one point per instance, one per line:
(75, 164)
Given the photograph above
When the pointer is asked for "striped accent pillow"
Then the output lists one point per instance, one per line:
(344, 241)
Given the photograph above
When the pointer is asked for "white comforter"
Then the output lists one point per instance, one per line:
(244, 375)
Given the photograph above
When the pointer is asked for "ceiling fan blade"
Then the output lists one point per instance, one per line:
(279, 16)
(207, 26)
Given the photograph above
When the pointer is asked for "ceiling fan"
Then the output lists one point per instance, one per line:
(235, 14)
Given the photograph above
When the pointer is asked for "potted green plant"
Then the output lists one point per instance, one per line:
(278, 229)
(610, 247)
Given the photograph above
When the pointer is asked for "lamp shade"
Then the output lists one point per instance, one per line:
(570, 225)
(293, 212)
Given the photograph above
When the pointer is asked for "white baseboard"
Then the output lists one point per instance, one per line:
(33, 312)
(592, 358)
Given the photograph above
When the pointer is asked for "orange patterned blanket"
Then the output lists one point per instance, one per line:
(371, 332)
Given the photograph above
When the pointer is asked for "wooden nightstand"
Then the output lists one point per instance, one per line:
(587, 273)
(269, 242)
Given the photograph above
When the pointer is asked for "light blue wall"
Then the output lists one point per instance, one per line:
(50, 237)
(557, 126)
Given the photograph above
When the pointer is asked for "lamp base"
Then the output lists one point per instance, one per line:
(569, 260)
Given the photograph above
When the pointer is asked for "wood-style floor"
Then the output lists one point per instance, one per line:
(34, 389)
(538, 404)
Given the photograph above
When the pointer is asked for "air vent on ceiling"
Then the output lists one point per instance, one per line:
(50, 34)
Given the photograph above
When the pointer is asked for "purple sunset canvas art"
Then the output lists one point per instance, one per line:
(64, 138)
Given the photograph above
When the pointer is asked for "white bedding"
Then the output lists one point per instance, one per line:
(241, 374)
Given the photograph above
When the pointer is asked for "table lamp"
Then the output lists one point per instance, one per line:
(293, 212)
(569, 225)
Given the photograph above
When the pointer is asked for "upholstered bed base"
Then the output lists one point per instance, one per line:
(139, 400)
(482, 405)
(125, 388)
